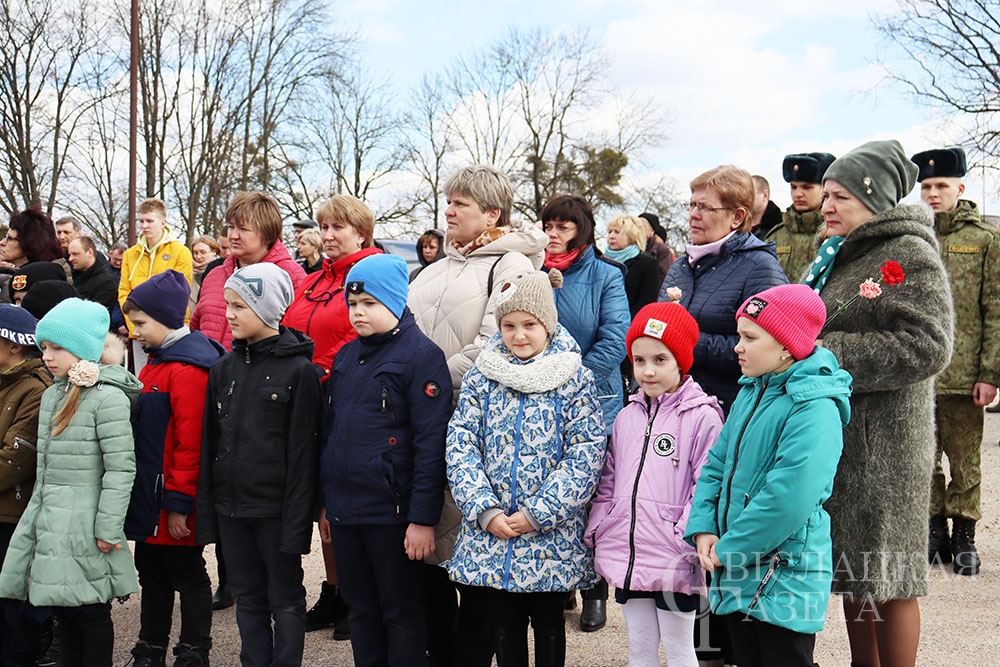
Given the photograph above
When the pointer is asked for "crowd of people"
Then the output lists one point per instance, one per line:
(743, 429)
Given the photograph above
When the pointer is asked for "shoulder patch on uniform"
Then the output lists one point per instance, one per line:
(432, 389)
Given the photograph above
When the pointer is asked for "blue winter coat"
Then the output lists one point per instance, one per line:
(388, 404)
(593, 308)
(712, 291)
(762, 492)
(526, 436)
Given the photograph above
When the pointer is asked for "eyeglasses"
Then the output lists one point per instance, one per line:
(8, 237)
(559, 227)
(703, 208)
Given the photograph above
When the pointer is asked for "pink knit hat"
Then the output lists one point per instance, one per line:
(793, 314)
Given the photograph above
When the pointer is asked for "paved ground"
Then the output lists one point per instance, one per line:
(961, 617)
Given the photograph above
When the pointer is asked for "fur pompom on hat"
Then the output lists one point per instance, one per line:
(531, 293)
(76, 325)
(671, 324)
(793, 314)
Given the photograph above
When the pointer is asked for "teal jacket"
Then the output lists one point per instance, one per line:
(762, 492)
(81, 493)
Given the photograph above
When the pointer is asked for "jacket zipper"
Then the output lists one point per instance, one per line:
(635, 493)
(724, 521)
(513, 489)
(776, 560)
(387, 406)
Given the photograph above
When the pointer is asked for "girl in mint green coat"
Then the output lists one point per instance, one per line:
(757, 518)
(68, 555)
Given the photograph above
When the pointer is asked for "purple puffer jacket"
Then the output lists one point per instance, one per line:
(638, 517)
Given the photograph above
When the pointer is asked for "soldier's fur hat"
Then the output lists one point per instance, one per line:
(806, 167)
(941, 163)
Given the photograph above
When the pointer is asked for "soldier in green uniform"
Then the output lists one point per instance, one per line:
(799, 224)
(970, 249)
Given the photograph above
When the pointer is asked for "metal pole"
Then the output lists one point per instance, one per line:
(133, 152)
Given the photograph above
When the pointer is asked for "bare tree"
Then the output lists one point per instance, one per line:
(429, 140)
(951, 60)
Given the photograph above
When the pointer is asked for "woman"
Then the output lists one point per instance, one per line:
(625, 242)
(31, 237)
(724, 266)
(893, 346)
(310, 247)
(204, 251)
(430, 248)
(453, 301)
(593, 307)
(253, 227)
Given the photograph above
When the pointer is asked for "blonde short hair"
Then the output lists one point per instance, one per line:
(312, 237)
(630, 228)
(351, 210)
(153, 205)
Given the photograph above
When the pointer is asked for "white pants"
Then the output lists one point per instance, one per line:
(648, 627)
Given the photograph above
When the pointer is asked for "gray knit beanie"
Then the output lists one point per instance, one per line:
(879, 173)
(266, 288)
(531, 293)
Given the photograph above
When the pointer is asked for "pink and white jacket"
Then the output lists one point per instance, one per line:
(638, 517)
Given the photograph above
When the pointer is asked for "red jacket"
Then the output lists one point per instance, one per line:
(319, 309)
(209, 315)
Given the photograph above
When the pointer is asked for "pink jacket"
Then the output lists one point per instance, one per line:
(638, 517)
(209, 316)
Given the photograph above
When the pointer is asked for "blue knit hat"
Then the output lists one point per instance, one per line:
(164, 297)
(76, 325)
(384, 277)
(17, 325)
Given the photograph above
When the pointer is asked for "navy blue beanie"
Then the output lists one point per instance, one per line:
(17, 325)
(164, 297)
(384, 277)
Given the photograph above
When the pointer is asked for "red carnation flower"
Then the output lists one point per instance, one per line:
(892, 273)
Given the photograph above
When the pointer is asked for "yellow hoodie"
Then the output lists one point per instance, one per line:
(140, 263)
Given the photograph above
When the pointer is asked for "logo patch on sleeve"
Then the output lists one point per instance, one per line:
(432, 389)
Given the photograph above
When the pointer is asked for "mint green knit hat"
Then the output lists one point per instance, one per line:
(76, 325)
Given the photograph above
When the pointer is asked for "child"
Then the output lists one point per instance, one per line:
(69, 552)
(383, 465)
(757, 518)
(525, 449)
(167, 422)
(659, 443)
(23, 379)
(259, 456)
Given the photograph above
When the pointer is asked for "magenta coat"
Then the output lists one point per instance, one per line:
(638, 517)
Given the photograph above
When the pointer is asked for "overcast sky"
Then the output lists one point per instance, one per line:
(744, 82)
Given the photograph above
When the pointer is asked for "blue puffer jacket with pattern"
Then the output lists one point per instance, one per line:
(527, 435)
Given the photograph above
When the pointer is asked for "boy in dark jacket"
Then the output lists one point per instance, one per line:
(260, 452)
(167, 421)
(383, 471)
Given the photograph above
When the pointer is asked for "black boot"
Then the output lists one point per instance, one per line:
(190, 656)
(327, 611)
(939, 542)
(149, 656)
(963, 547)
(342, 629)
(594, 615)
(222, 599)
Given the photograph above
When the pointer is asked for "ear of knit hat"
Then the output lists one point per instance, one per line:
(384, 277)
(76, 325)
(878, 173)
(793, 314)
(17, 325)
(265, 288)
(671, 324)
(531, 293)
(164, 297)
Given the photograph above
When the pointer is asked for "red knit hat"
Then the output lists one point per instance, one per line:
(671, 324)
(793, 314)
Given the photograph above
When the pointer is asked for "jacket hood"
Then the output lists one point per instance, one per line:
(551, 368)
(26, 367)
(420, 246)
(195, 349)
(745, 241)
(817, 376)
(288, 343)
(521, 237)
(689, 395)
(966, 213)
(168, 236)
(121, 378)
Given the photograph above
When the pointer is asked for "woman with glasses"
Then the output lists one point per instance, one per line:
(724, 266)
(593, 307)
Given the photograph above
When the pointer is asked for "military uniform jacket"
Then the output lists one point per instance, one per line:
(793, 240)
(970, 250)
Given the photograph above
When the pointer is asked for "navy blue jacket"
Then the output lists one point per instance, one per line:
(593, 308)
(388, 405)
(712, 291)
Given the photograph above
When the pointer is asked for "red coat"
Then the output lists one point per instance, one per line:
(209, 316)
(320, 311)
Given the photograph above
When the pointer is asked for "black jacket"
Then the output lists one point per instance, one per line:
(96, 284)
(260, 444)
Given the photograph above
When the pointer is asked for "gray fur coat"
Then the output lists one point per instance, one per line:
(893, 346)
